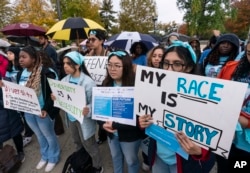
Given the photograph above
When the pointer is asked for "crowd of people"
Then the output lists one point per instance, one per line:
(222, 58)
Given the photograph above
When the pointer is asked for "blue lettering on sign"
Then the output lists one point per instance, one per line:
(195, 88)
(192, 130)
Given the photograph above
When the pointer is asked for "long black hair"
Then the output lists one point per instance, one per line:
(128, 75)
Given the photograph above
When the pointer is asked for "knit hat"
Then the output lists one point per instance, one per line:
(15, 50)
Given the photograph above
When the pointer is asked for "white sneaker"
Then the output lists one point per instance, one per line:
(49, 167)
(41, 164)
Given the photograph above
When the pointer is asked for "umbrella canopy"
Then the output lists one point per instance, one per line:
(72, 28)
(125, 39)
(25, 40)
(4, 43)
(23, 29)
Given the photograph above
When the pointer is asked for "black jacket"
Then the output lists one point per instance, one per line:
(46, 91)
(10, 122)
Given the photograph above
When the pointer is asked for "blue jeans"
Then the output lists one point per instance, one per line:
(44, 130)
(128, 150)
(161, 167)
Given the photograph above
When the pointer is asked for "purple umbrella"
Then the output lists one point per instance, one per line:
(23, 29)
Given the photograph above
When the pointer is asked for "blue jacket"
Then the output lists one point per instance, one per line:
(88, 125)
(10, 122)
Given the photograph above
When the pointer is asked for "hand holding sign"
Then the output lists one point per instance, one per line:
(108, 126)
(85, 111)
(145, 121)
(189, 146)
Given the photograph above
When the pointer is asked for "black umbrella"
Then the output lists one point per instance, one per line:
(25, 40)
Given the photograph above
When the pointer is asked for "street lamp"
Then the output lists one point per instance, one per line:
(154, 21)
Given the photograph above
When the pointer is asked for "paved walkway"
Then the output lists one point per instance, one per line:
(32, 155)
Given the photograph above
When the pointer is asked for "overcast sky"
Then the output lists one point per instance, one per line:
(167, 10)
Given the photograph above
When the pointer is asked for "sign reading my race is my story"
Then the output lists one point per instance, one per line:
(96, 66)
(69, 97)
(114, 104)
(20, 98)
(205, 109)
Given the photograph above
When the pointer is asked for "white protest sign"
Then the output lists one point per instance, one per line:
(20, 98)
(114, 104)
(205, 109)
(69, 97)
(96, 66)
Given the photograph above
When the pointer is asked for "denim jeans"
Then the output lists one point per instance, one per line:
(161, 167)
(124, 150)
(44, 130)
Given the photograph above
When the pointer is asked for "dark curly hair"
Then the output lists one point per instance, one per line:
(143, 47)
(243, 68)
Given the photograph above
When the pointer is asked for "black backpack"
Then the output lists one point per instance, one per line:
(78, 162)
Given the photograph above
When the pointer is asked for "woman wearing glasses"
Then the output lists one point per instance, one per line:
(179, 57)
(83, 134)
(124, 140)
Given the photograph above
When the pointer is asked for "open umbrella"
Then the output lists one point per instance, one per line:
(25, 40)
(125, 39)
(72, 28)
(23, 29)
(4, 43)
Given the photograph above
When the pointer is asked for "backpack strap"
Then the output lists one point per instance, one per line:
(67, 164)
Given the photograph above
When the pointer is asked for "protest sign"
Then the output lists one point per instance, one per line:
(114, 104)
(199, 106)
(96, 66)
(69, 97)
(20, 98)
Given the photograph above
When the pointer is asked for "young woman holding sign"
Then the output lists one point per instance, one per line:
(240, 150)
(83, 135)
(179, 57)
(34, 76)
(124, 140)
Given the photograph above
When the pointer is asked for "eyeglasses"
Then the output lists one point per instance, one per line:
(118, 53)
(113, 66)
(92, 40)
(176, 66)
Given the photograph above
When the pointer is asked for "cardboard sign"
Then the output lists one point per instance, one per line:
(199, 106)
(96, 66)
(20, 98)
(69, 97)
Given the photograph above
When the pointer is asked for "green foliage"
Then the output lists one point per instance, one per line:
(38, 12)
(137, 15)
(107, 15)
(5, 12)
(240, 23)
(79, 8)
(203, 16)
